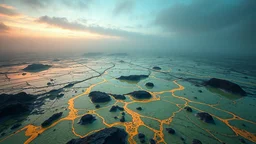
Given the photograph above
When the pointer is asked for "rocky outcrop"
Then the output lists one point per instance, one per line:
(118, 96)
(140, 94)
(122, 119)
(152, 141)
(170, 130)
(139, 108)
(189, 109)
(115, 108)
(141, 137)
(205, 117)
(13, 109)
(196, 141)
(156, 68)
(36, 67)
(135, 78)
(97, 106)
(87, 119)
(19, 97)
(15, 104)
(149, 84)
(226, 85)
(99, 97)
(110, 135)
(51, 119)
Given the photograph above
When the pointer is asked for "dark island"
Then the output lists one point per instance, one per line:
(36, 67)
(135, 78)
(15, 104)
(51, 119)
(99, 97)
(189, 109)
(87, 119)
(226, 85)
(149, 84)
(140, 94)
(115, 108)
(205, 117)
(156, 68)
(196, 141)
(110, 135)
(170, 130)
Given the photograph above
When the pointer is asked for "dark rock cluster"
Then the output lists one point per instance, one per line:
(51, 119)
(152, 141)
(110, 135)
(97, 106)
(205, 117)
(196, 141)
(140, 94)
(149, 84)
(15, 104)
(141, 137)
(132, 77)
(86, 119)
(170, 130)
(99, 97)
(36, 67)
(115, 108)
(122, 119)
(156, 68)
(189, 109)
(226, 85)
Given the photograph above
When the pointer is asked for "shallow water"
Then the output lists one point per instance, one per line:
(234, 115)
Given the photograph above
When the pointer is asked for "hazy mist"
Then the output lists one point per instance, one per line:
(221, 27)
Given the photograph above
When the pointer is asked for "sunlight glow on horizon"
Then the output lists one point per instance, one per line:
(25, 26)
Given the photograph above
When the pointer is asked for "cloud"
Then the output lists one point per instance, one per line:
(7, 10)
(41, 4)
(211, 25)
(204, 16)
(60, 22)
(3, 27)
(36, 3)
(124, 7)
(82, 4)
(63, 23)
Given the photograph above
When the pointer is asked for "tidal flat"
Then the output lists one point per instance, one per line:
(155, 100)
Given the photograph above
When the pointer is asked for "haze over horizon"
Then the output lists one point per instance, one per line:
(225, 27)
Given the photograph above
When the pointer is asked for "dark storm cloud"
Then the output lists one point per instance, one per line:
(124, 6)
(3, 27)
(63, 23)
(213, 25)
(7, 11)
(203, 16)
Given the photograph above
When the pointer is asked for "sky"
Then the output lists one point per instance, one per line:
(156, 26)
